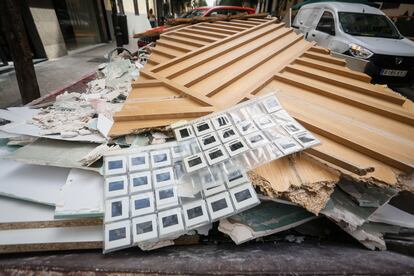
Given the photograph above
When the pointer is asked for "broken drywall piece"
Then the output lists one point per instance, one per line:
(104, 125)
(341, 208)
(34, 183)
(96, 154)
(370, 239)
(23, 128)
(351, 217)
(367, 195)
(392, 215)
(18, 114)
(54, 153)
(265, 219)
(81, 196)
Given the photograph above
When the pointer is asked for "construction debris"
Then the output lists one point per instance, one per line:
(266, 219)
(51, 158)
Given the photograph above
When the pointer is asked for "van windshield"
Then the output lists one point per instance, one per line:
(365, 24)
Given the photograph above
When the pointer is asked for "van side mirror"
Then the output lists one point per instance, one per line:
(329, 29)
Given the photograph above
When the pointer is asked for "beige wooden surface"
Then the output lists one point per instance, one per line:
(367, 131)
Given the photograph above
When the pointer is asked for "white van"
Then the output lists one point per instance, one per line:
(360, 31)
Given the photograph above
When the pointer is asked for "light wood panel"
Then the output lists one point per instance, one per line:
(367, 131)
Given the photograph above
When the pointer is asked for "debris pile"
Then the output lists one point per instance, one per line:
(340, 151)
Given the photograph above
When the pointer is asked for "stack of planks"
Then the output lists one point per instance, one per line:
(367, 131)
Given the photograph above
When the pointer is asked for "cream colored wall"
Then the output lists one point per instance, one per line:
(47, 26)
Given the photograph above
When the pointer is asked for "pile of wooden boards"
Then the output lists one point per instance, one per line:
(367, 130)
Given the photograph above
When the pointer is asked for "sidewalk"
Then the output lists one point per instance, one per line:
(57, 73)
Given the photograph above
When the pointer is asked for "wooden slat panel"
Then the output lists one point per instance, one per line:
(213, 29)
(366, 130)
(356, 100)
(205, 33)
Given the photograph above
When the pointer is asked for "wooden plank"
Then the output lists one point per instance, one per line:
(175, 45)
(158, 58)
(344, 71)
(165, 52)
(400, 115)
(210, 46)
(222, 26)
(213, 29)
(146, 83)
(224, 49)
(353, 136)
(252, 23)
(185, 33)
(205, 33)
(191, 94)
(192, 42)
(325, 57)
(160, 110)
(245, 26)
(222, 63)
(225, 82)
(337, 160)
(346, 82)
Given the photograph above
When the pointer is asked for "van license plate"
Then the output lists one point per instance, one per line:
(393, 73)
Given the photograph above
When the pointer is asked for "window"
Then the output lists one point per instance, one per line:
(364, 24)
(326, 23)
(219, 12)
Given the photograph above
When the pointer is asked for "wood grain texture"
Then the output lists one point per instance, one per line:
(367, 131)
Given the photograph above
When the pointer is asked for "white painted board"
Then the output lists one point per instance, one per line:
(81, 195)
(34, 183)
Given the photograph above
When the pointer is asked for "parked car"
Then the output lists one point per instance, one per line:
(203, 12)
(363, 32)
(217, 10)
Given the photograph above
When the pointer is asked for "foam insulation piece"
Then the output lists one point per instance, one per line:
(392, 215)
(34, 183)
(54, 153)
(263, 220)
(4, 134)
(81, 196)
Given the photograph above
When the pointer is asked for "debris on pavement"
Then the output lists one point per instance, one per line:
(332, 146)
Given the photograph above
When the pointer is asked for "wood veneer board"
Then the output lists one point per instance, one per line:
(183, 40)
(369, 121)
(387, 149)
(380, 174)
